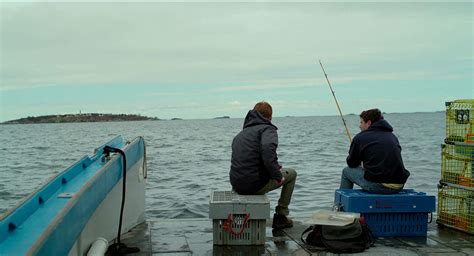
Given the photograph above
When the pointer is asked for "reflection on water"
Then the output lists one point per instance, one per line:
(188, 159)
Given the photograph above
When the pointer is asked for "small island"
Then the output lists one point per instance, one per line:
(222, 117)
(80, 118)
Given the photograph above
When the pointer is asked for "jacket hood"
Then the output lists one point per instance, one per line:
(255, 118)
(381, 125)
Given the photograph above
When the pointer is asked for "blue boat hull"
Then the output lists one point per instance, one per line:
(80, 204)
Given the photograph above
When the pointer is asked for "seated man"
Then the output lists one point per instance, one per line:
(254, 166)
(382, 169)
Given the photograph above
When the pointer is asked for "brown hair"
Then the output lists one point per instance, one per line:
(372, 114)
(264, 109)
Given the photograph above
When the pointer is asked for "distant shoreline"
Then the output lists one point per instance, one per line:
(80, 118)
(97, 117)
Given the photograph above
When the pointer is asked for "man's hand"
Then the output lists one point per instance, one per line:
(280, 182)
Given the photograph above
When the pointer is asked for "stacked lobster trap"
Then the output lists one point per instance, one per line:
(456, 188)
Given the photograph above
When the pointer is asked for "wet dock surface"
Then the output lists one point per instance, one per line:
(180, 237)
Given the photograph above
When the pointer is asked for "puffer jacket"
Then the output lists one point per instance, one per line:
(254, 159)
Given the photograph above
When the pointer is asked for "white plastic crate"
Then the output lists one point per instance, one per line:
(238, 219)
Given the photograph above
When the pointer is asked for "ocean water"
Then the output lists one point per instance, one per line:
(187, 159)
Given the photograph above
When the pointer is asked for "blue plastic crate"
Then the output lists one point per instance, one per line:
(401, 214)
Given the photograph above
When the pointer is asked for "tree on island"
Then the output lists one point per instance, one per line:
(80, 118)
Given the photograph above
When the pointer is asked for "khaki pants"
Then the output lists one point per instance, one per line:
(286, 192)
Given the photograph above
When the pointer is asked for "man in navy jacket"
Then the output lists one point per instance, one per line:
(254, 166)
(382, 170)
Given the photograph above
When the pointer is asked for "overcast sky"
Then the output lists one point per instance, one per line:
(202, 60)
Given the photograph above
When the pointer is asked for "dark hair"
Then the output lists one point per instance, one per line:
(264, 109)
(372, 114)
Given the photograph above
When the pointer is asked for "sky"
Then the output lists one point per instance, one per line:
(203, 60)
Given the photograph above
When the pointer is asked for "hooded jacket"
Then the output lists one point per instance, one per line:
(254, 159)
(380, 152)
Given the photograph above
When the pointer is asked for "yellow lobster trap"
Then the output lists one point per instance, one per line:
(459, 121)
(457, 164)
(456, 208)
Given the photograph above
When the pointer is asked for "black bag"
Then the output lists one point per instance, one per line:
(351, 238)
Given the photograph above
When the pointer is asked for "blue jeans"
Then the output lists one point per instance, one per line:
(351, 176)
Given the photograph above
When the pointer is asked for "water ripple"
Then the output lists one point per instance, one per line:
(189, 159)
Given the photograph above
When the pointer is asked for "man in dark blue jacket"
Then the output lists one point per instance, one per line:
(379, 151)
(254, 166)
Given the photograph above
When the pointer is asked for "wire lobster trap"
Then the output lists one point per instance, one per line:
(459, 121)
(456, 207)
(457, 164)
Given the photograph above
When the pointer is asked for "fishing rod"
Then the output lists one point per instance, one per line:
(337, 104)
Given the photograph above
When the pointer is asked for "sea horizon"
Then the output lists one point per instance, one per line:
(203, 118)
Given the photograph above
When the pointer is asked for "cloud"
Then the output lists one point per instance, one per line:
(46, 44)
(202, 58)
(268, 85)
(342, 79)
(164, 94)
(400, 76)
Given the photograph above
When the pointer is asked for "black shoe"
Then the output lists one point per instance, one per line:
(280, 221)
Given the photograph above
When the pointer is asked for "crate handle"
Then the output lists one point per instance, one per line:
(228, 224)
(337, 207)
(431, 217)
